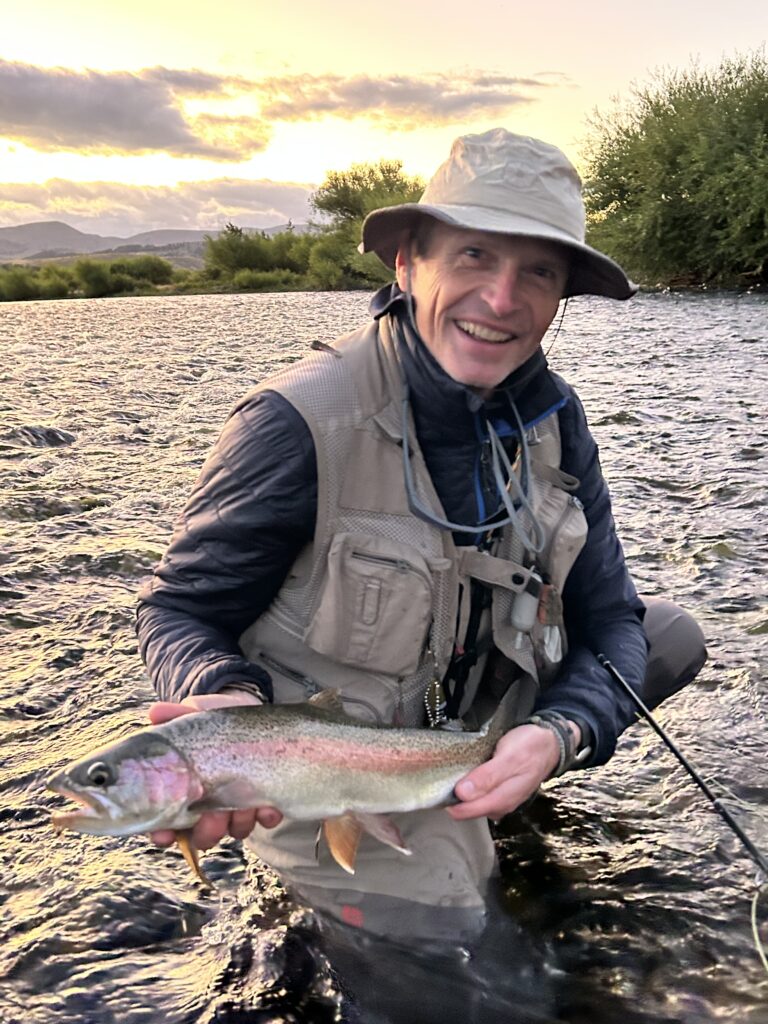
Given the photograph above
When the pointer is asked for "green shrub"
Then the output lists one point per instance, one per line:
(327, 263)
(144, 268)
(235, 249)
(55, 282)
(290, 251)
(120, 283)
(266, 280)
(94, 278)
(676, 180)
(18, 284)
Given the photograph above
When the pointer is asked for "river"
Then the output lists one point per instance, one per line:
(630, 900)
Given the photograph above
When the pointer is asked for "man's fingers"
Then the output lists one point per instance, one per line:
(479, 781)
(499, 801)
(163, 837)
(214, 825)
(164, 711)
(210, 829)
(268, 817)
(523, 759)
(241, 823)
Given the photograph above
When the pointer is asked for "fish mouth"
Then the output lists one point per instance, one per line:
(97, 815)
(89, 810)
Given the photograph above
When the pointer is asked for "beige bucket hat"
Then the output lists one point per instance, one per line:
(511, 184)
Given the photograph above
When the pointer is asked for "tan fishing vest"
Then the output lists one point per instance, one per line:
(375, 604)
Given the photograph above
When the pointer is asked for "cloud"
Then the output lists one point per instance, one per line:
(112, 208)
(408, 101)
(195, 82)
(54, 109)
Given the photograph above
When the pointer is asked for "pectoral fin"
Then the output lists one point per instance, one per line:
(384, 829)
(343, 836)
(187, 847)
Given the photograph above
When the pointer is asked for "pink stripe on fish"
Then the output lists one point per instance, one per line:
(342, 753)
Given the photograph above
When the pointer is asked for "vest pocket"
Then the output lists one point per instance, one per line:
(375, 605)
(566, 540)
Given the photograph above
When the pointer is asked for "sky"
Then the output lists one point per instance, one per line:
(125, 117)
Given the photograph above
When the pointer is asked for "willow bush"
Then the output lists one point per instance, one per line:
(326, 258)
(345, 198)
(676, 184)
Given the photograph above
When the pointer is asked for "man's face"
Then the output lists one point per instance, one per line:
(483, 301)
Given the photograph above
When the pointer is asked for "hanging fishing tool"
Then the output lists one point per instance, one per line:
(718, 805)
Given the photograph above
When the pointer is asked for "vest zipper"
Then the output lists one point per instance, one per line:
(400, 564)
(309, 684)
(312, 686)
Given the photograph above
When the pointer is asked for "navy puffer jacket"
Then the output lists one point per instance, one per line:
(253, 510)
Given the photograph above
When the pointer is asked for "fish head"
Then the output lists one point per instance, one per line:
(137, 785)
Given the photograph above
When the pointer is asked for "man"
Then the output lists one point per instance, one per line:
(416, 516)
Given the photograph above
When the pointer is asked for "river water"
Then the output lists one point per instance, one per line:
(629, 900)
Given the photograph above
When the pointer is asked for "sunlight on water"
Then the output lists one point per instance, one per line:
(624, 897)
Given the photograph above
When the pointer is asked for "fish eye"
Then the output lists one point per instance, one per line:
(100, 774)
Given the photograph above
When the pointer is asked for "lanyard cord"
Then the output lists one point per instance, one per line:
(504, 477)
(507, 481)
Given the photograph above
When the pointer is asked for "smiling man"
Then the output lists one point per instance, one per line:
(485, 300)
(415, 516)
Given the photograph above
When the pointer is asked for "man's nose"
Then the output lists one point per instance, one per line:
(501, 292)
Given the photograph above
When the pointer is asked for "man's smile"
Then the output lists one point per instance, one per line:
(481, 333)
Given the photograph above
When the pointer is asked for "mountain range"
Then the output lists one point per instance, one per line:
(53, 239)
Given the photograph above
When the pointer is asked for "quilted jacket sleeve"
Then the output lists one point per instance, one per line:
(603, 613)
(252, 510)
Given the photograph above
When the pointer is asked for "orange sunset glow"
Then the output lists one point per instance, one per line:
(124, 118)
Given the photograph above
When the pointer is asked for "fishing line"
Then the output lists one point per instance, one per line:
(755, 930)
(557, 329)
(721, 809)
(736, 801)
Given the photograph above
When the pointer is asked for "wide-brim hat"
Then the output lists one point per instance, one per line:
(512, 185)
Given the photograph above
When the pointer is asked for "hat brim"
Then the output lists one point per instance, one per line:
(592, 273)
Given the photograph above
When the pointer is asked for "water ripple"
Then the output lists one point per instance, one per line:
(630, 900)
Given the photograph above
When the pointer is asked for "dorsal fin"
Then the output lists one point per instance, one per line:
(328, 700)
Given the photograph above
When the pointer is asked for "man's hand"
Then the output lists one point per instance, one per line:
(213, 825)
(524, 758)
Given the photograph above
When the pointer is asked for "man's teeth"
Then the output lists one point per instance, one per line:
(483, 333)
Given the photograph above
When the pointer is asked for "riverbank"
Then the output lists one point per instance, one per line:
(20, 292)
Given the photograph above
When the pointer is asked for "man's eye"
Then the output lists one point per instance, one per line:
(473, 251)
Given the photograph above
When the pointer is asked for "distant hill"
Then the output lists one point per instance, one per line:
(53, 239)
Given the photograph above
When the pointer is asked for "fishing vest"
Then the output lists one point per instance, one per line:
(375, 606)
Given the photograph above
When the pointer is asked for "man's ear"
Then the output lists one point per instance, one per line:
(403, 260)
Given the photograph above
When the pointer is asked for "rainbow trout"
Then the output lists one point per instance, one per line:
(310, 761)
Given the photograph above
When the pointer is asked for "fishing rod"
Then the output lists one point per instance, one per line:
(723, 811)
